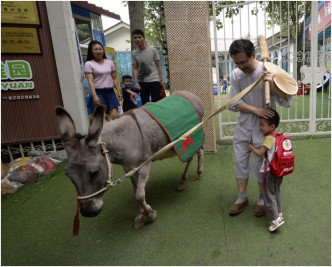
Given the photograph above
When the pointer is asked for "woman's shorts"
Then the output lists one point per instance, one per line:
(108, 98)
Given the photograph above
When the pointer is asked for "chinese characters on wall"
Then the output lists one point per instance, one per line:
(22, 12)
(19, 40)
(17, 75)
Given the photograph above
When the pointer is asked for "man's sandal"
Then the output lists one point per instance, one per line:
(276, 223)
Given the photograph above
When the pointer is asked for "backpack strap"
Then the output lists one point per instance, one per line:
(266, 160)
(266, 163)
(275, 134)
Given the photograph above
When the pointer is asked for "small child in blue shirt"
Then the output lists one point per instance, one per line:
(224, 84)
(271, 193)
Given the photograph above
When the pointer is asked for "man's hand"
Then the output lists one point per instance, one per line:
(138, 87)
(264, 113)
(268, 76)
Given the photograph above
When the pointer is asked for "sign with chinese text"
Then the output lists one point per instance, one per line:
(19, 40)
(324, 18)
(16, 71)
(19, 12)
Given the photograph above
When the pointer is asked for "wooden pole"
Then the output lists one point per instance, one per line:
(265, 56)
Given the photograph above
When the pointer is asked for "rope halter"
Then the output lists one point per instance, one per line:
(109, 179)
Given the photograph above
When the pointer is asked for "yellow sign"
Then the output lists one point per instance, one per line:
(19, 12)
(19, 40)
(110, 54)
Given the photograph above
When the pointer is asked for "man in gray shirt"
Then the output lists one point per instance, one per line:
(148, 75)
(247, 129)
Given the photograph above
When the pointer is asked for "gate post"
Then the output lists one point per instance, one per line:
(67, 61)
(216, 56)
(313, 66)
(189, 51)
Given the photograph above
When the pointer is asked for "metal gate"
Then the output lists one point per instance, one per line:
(298, 34)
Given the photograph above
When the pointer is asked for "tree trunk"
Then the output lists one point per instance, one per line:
(136, 17)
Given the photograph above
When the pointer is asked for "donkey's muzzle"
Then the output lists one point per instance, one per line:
(90, 208)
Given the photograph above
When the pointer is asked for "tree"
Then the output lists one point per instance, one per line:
(274, 9)
(228, 13)
(289, 13)
(83, 32)
(149, 17)
(154, 23)
(283, 13)
(136, 17)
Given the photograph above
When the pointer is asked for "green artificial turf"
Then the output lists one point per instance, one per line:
(192, 228)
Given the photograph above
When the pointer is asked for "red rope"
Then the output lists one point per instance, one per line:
(76, 226)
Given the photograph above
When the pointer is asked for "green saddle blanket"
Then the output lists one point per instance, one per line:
(177, 115)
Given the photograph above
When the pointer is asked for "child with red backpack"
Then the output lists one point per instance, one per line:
(279, 161)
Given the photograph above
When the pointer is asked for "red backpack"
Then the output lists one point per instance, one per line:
(283, 161)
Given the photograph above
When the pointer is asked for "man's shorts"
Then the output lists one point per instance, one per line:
(241, 161)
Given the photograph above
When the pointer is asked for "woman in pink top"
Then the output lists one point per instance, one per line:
(101, 75)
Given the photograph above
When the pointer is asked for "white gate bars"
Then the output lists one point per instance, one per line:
(299, 41)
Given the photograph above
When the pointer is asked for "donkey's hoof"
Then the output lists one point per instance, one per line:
(196, 177)
(180, 187)
(139, 221)
(152, 216)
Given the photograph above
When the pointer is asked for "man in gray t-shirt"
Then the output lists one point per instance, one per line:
(147, 68)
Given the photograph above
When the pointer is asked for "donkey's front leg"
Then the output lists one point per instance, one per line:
(145, 210)
(133, 178)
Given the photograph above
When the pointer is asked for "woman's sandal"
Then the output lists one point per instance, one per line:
(276, 223)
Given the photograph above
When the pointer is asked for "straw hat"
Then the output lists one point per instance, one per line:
(285, 84)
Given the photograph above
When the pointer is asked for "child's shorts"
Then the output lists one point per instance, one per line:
(108, 98)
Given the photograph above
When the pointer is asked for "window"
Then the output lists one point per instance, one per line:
(83, 30)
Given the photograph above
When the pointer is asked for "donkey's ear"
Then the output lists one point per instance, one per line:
(96, 125)
(66, 124)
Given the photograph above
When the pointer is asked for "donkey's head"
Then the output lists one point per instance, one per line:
(87, 167)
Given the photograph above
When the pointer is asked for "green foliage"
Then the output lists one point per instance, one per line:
(286, 13)
(83, 32)
(154, 25)
(282, 13)
(230, 11)
(153, 22)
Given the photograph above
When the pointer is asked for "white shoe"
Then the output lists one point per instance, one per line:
(276, 223)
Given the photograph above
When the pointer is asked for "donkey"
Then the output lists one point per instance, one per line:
(130, 139)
